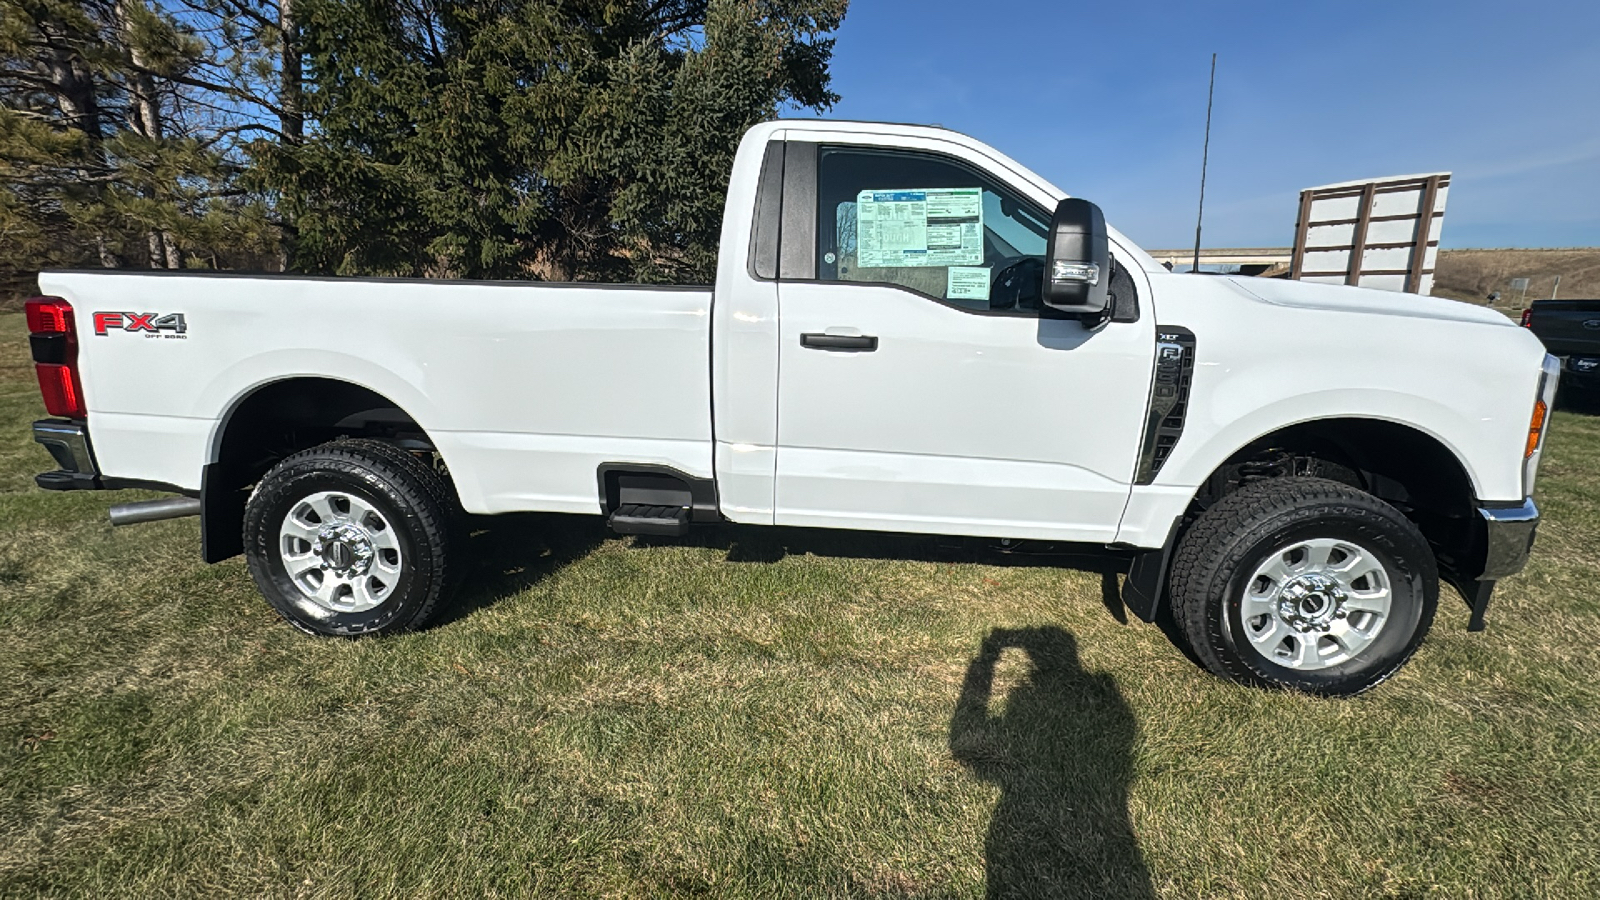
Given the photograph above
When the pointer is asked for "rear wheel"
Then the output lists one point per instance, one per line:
(1304, 583)
(352, 537)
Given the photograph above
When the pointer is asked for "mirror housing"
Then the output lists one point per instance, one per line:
(1077, 264)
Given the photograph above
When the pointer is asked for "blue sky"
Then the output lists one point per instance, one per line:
(1107, 100)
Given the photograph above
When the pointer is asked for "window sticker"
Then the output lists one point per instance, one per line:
(932, 227)
(967, 283)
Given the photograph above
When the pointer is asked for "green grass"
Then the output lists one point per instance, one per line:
(759, 715)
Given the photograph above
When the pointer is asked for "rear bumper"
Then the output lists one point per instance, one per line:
(68, 443)
(1508, 538)
(1581, 372)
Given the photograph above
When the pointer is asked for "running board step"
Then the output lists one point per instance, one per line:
(636, 518)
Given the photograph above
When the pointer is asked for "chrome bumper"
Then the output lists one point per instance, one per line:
(1508, 539)
(68, 443)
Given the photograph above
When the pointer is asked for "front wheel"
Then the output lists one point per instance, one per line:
(350, 538)
(1304, 583)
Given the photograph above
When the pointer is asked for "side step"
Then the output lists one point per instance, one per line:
(637, 518)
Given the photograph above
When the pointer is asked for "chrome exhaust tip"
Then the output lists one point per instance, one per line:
(154, 510)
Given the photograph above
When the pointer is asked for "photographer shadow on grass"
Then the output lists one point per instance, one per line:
(1060, 749)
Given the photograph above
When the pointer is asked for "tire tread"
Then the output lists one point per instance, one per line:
(427, 497)
(1217, 542)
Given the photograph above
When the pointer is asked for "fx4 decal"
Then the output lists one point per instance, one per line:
(172, 324)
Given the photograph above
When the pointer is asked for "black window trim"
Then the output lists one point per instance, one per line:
(765, 233)
(797, 238)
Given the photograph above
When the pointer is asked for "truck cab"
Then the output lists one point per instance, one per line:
(926, 393)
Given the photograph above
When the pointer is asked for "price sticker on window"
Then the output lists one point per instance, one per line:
(924, 227)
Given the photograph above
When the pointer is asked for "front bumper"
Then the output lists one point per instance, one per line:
(1508, 538)
(68, 443)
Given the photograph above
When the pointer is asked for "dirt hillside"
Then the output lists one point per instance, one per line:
(1472, 274)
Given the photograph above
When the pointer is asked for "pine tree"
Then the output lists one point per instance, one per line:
(107, 156)
(562, 139)
(53, 126)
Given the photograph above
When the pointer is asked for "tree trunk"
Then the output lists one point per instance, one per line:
(291, 118)
(73, 88)
(73, 85)
(108, 260)
(291, 121)
(144, 117)
(144, 107)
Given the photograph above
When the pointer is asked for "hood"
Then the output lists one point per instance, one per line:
(1340, 298)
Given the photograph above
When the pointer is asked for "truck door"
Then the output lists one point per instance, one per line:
(920, 389)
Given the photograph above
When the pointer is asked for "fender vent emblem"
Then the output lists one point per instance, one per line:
(1169, 399)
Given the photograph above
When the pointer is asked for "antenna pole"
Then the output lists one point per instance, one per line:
(1205, 157)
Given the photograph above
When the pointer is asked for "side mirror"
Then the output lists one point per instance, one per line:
(1077, 265)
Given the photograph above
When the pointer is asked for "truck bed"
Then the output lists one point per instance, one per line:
(525, 387)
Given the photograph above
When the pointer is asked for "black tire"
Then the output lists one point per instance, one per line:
(409, 496)
(1218, 558)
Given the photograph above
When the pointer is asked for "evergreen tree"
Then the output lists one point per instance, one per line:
(53, 126)
(106, 155)
(561, 139)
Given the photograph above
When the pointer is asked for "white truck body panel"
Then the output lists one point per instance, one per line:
(956, 421)
(744, 364)
(963, 424)
(526, 390)
(1464, 375)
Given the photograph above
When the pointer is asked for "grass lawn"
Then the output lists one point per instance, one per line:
(759, 714)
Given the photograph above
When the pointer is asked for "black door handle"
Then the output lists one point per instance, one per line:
(858, 342)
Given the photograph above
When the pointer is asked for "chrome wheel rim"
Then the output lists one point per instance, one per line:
(1316, 603)
(340, 552)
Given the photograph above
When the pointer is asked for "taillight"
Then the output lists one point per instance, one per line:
(53, 336)
(1527, 318)
(49, 315)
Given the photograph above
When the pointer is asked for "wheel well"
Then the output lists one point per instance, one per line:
(1411, 470)
(280, 419)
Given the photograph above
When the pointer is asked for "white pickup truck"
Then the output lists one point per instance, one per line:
(909, 332)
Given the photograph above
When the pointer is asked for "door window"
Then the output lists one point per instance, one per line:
(929, 224)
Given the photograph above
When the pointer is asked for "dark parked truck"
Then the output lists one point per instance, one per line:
(1570, 329)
